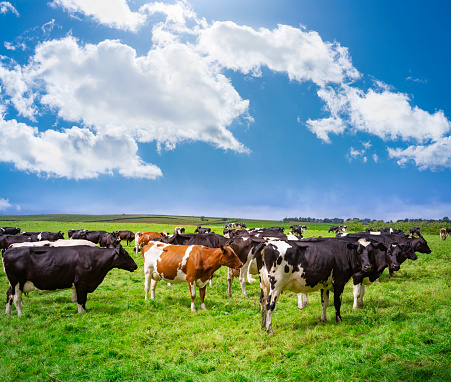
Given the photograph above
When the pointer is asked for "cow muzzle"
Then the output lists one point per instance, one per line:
(367, 268)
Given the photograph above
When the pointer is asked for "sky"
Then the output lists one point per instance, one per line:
(243, 109)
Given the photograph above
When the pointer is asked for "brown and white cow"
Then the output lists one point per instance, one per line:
(443, 234)
(194, 264)
(143, 238)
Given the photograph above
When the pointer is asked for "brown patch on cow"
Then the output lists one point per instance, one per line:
(170, 261)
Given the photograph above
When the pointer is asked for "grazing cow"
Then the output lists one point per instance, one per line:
(56, 243)
(143, 238)
(336, 229)
(307, 267)
(109, 240)
(179, 230)
(52, 268)
(244, 247)
(9, 231)
(298, 229)
(199, 229)
(194, 264)
(128, 236)
(93, 236)
(444, 233)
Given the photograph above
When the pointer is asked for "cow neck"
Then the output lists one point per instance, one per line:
(212, 262)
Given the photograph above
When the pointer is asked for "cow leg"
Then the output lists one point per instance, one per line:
(271, 305)
(337, 301)
(9, 299)
(302, 300)
(252, 263)
(325, 304)
(153, 284)
(202, 296)
(74, 295)
(362, 292)
(357, 291)
(82, 296)
(263, 297)
(229, 281)
(242, 278)
(192, 291)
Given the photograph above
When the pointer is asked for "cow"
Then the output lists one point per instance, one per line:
(415, 231)
(306, 267)
(7, 240)
(243, 246)
(53, 268)
(9, 231)
(199, 229)
(298, 229)
(109, 240)
(179, 230)
(194, 264)
(56, 243)
(143, 238)
(38, 236)
(336, 229)
(93, 236)
(211, 240)
(76, 233)
(126, 235)
(444, 233)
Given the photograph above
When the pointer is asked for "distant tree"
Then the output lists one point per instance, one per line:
(446, 219)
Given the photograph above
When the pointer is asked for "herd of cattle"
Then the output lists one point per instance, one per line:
(44, 261)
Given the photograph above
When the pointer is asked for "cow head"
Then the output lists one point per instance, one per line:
(364, 253)
(392, 255)
(229, 258)
(122, 259)
(420, 245)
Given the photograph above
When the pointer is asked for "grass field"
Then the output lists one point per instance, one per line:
(402, 334)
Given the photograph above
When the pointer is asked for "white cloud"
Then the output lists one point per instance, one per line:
(170, 95)
(6, 7)
(304, 56)
(114, 13)
(74, 153)
(4, 204)
(433, 156)
(385, 113)
(323, 127)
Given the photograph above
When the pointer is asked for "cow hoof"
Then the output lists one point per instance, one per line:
(169, 284)
(202, 307)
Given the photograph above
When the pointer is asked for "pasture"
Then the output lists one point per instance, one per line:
(401, 334)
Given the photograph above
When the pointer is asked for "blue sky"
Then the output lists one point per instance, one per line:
(255, 109)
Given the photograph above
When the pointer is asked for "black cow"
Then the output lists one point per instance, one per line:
(415, 231)
(336, 228)
(211, 240)
(298, 229)
(93, 236)
(52, 268)
(9, 231)
(7, 240)
(306, 267)
(38, 236)
(76, 233)
(109, 240)
(128, 236)
(199, 229)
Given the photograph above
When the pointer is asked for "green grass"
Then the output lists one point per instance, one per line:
(402, 333)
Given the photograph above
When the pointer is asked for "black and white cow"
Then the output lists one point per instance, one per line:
(179, 230)
(336, 228)
(298, 229)
(415, 231)
(308, 267)
(109, 240)
(199, 229)
(53, 268)
(7, 240)
(9, 231)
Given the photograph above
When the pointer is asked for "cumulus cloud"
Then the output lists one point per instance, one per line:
(169, 95)
(114, 13)
(433, 156)
(323, 127)
(6, 7)
(4, 204)
(302, 55)
(74, 153)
